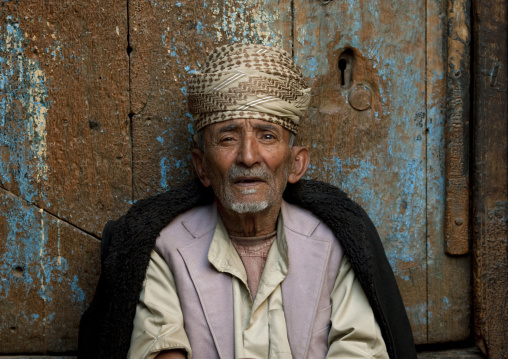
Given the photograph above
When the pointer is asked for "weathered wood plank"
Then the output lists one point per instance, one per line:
(48, 273)
(449, 289)
(457, 127)
(64, 116)
(169, 42)
(490, 189)
(378, 154)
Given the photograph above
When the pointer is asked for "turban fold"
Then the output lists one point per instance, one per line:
(248, 81)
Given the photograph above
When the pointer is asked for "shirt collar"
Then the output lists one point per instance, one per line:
(224, 257)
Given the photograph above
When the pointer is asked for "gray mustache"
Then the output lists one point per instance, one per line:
(238, 171)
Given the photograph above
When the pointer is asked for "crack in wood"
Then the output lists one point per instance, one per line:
(49, 213)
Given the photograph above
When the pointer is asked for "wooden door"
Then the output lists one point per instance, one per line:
(93, 117)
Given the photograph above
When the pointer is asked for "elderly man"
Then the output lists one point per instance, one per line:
(237, 271)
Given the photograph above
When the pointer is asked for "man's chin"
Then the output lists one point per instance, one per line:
(249, 207)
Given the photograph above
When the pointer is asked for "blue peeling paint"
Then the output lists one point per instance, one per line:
(199, 27)
(78, 296)
(418, 314)
(25, 247)
(50, 317)
(173, 167)
(446, 303)
(312, 66)
(164, 173)
(402, 228)
(23, 109)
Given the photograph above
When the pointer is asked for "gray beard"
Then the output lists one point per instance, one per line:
(228, 199)
(249, 207)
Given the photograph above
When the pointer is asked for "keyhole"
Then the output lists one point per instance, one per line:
(342, 68)
(346, 63)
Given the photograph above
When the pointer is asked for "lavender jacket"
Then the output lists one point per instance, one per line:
(106, 326)
(314, 257)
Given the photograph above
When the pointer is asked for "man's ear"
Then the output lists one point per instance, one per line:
(301, 160)
(197, 161)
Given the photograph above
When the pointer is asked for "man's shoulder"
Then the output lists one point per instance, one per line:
(303, 222)
(161, 209)
(188, 226)
(142, 224)
(345, 218)
(325, 201)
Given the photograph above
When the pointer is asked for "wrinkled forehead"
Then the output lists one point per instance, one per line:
(244, 124)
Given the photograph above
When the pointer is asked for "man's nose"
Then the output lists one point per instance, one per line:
(248, 154)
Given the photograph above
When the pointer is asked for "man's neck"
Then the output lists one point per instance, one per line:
(250, 224)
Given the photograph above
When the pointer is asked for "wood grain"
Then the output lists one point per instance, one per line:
(449, 278)
(65, 118)
(490, 190)
(468, 353)
(49, 270)
(64, 162)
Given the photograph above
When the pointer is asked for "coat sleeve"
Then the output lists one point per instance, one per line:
(354, 332)
(158, 323)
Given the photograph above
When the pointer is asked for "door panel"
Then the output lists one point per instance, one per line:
(44, 285)
(389, 156)
(377, 155)
(64, 162)
(64, 125)
(448, 277)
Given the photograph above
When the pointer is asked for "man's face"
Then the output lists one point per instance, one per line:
(247, 162)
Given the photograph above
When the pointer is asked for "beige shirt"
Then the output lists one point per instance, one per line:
(259, 324)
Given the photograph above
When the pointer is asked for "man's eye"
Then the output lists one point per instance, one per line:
(227, 139)
(268, 136)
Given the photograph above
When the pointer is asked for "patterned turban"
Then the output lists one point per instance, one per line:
(248, 81)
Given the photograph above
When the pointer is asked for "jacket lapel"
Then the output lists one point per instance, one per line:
(302, 287)
(214, 289)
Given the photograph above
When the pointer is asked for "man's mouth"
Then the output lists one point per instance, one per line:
(248, 181)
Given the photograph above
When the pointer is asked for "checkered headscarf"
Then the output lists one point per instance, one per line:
(248, 81)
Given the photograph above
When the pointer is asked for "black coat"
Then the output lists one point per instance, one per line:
(106, 326)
